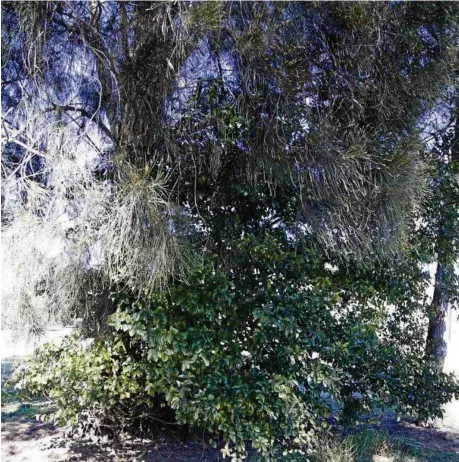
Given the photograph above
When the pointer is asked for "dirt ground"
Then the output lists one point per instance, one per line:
(24, 439)
(30, 441)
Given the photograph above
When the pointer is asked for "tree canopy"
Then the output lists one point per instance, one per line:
(146, 127)
(235, 197)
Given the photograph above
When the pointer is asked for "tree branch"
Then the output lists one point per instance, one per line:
(84, 113)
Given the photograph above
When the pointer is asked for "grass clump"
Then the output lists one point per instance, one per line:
(375, 445)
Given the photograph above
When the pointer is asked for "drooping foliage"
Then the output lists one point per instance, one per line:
(229, 192)
(170, 110)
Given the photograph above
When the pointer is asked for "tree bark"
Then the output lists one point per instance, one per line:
(436, 347)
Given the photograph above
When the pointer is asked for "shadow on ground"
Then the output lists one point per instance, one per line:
(25, 439)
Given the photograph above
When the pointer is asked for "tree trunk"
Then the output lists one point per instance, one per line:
(436, 347)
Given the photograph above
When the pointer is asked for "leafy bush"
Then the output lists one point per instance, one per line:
(97, 385)
(259, 353)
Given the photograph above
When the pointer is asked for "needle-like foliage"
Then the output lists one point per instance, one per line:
(123, 119)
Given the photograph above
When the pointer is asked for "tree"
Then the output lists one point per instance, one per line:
(323, 132)
(240, 181)
(442, 224)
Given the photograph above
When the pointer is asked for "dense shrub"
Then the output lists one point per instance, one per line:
(98, 385)
(260, 353)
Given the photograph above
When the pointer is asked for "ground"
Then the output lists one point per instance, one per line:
(26, 439)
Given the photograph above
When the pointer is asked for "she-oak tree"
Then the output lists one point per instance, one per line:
(241, 181)
(147, 128)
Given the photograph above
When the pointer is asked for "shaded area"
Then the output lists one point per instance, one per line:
(25, 439)
(432, 444)
(29, 440)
